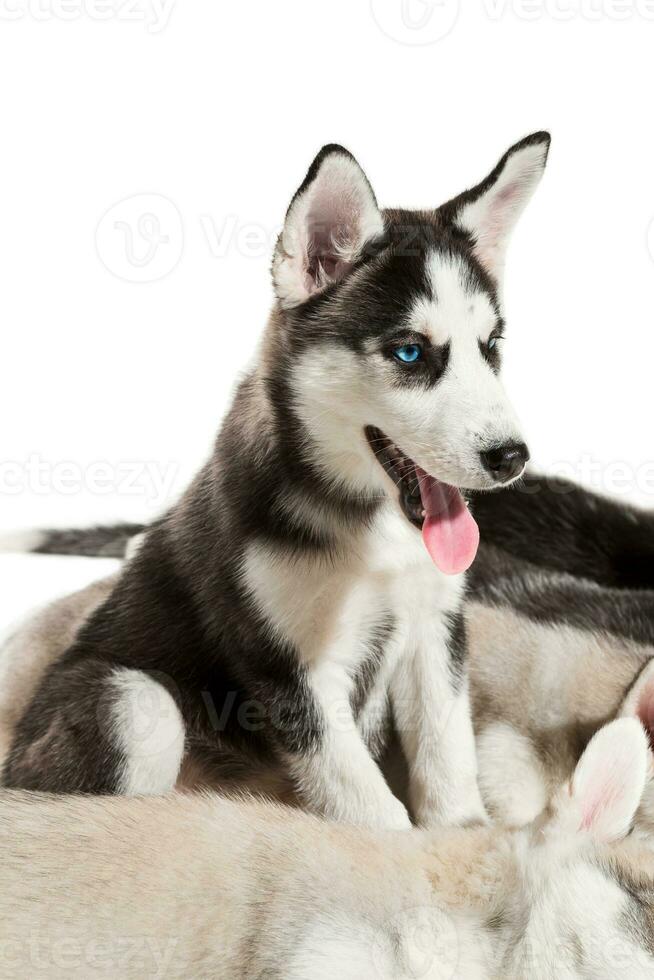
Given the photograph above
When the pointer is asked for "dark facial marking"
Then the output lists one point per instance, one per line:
(372, 304)
(491, 349)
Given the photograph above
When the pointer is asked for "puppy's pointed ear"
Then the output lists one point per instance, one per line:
(639, 701)
(489, 212)
(608, 783)
(331, 219)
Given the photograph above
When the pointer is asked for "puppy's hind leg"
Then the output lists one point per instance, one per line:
(149, 731)
(94, 727)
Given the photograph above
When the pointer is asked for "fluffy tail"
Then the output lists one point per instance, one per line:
(116, 541)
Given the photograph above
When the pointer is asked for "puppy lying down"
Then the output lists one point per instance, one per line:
(196, 886)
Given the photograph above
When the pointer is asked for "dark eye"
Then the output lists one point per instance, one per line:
(408, 354)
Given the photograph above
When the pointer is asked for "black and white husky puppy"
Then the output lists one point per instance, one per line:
(305, 594)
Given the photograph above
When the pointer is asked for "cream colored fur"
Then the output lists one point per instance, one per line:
(539, 692)
(32, 646)
(197, 886)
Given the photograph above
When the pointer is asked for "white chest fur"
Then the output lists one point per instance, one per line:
(331, 610)
(327, 608)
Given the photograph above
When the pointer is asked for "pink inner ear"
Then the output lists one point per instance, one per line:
(323, 249)
(645, 712)
(610, 777)
(507, 194)
(332, 233)
(590, 814)
(502, 203)
(606, 796)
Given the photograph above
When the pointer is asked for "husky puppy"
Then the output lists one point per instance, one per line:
(561, 629)
(198, 886)
(306, 591)
(29, 649)
(544, 676)
(539, 692)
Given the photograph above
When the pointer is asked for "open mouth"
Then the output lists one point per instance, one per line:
(449, 531)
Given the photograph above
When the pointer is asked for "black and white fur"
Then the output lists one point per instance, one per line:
(559, 643)
(285, 614)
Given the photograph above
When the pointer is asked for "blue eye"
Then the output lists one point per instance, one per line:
(408, 354)
(492, 343)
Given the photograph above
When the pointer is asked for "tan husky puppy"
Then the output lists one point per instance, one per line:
(195, 886)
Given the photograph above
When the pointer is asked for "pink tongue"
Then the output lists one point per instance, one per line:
(449, 531)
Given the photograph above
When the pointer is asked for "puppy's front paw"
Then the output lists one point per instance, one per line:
(389, 815)
(396, 817)
(467, 814)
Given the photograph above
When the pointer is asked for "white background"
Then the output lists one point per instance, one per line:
(203, 117)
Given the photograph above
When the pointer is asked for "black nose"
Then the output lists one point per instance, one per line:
(505, 462)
